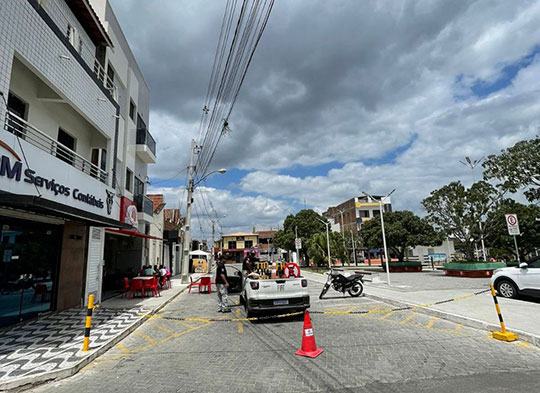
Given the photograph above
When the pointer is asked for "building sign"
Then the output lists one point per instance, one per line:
(298, 243)
(512, 224)
(128, 212)
(44, 175)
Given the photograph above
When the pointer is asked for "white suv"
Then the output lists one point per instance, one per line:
(512, 281)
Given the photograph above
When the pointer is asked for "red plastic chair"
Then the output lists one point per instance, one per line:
(127, 288)
(193, 284)
(152, 285)
(136, 286)
(205, 282)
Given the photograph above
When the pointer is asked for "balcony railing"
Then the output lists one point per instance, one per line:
(88, 53)
(39, 139)
(144, 204)
(145, 138)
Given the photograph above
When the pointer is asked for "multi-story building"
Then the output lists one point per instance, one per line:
(352, 213)
(235, 246)
(173, 237)
(266, 245)
(74, 151)
(155, 253)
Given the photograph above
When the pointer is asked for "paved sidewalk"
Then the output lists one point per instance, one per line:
(520, 316)
(51, 347)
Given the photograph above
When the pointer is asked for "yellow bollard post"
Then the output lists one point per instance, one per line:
(503, 334)
(88, 322)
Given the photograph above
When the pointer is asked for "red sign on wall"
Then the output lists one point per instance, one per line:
(128, 212)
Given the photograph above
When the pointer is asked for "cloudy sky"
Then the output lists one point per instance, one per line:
(342, 97)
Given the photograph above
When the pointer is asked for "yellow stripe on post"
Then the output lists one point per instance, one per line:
(88, 323)
(503, 335)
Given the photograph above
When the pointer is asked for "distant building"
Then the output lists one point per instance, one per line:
(235, 246)
(172, 237)
(266, 244)
(155, 246)
(352, 213)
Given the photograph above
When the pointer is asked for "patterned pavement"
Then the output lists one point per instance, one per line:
(54, 342)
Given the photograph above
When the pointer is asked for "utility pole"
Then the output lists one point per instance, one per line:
(472, 164)
(296, 244)
(353, 249)
(187, 232)
(381, 200)
(342, 227)
(328, 245)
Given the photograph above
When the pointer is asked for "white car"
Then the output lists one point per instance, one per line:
(513, 281)
(275, 295)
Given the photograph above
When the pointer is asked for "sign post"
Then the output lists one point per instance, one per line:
(513, 230)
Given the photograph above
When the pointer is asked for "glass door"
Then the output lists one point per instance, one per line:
(29, 253)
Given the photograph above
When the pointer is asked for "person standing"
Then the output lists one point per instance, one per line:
(222, 284)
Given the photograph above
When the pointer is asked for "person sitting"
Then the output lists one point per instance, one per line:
(148, 271)
(162, 275)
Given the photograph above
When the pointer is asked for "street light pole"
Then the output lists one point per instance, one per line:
(327, 242)
(382, 228)
(190, 187)
(187, 232)
(342, 228)
(353, 249)
(472, 164)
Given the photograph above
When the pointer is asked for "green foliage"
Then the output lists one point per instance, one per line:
(517, 167)
(499, 238)
(403, 229)
(308, 224)
(457, 211)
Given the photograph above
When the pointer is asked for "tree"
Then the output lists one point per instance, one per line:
(516, 168)
(403, 230)
(317, 248)
(308, 224)
(457, 211)
(499, 238)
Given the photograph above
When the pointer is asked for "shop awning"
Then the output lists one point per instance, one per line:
(131, 232)
(44, 206)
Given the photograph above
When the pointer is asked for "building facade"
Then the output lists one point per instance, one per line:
(235, 246)
(352, 213)
(71, 99)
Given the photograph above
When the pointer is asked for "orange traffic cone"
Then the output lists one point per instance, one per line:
(309, 348)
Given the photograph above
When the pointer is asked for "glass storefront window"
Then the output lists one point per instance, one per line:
(29, 253)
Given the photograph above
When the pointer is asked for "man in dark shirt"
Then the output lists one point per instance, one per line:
(222, 284)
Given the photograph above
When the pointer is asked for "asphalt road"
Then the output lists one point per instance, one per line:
(403, 351)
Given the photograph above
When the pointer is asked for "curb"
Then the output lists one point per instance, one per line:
(24, 383)
(466, 321)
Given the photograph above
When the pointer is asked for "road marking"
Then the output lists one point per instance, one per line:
(406, 320)
(161, 327)
(431, 322)
(122, 348)
(386, 316)
(458, 328)
(240, 326)
(145, 337)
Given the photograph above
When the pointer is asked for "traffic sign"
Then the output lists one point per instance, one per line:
(298, 243)
(513, 224)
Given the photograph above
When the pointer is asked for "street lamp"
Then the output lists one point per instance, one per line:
(382, 227)
(473, 164)
(327, 242)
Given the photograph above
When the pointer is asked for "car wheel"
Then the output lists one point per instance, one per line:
(507, 289)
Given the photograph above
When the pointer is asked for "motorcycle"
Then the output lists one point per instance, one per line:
(354, 283)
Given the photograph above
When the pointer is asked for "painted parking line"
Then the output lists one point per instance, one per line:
(240, 325)
(409, 317)
(431, 322)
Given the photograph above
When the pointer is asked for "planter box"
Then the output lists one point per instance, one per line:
(404, 267)
(472, 269)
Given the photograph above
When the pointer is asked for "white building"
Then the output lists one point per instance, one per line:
(74, 151)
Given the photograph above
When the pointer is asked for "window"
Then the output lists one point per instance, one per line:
(139, 186)
(363, 213)
(376, 213)
(110, 76)
(20, 109)
(248, 244)
(129, 180)
(74, 38)
(132, 110)
(231, 245)
(66, 147)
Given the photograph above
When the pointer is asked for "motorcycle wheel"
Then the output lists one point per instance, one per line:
(356, 289)
(324, 290)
